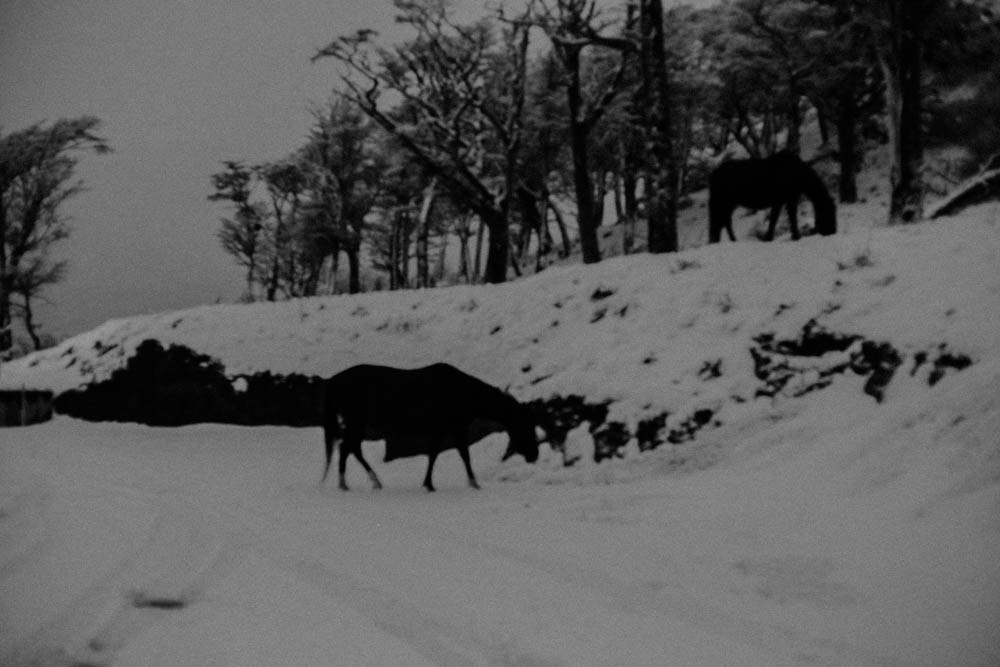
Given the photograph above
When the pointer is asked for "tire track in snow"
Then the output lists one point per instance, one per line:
(645, 600)
(439, 642)
(183, 553)
(24, 533)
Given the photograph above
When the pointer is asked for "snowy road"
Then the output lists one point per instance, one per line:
(215, 545)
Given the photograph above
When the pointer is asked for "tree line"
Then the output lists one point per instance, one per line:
(447, 157)
(468, 134)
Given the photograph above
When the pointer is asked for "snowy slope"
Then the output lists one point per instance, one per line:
(822, 528)
(637, 330)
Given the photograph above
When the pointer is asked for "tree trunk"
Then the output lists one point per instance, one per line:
(793, 143)
(393, 251)
(581, 172)
(334, 268)
(499, 246)
(6, 336)
(601, 183)
(423, 236)
(464, 233)
(567, 247)
(29, 322)
(440, 264)
(630, 182)
(6, 282)
(399, 250)
(847, 149)
(617, 189)
(480, 233)
(661, 182)
(900, 59)
(531, 221)
(353, 268)
(824, 128)
(272, 281)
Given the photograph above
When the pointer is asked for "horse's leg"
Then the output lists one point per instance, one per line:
(793, 217)
(772, 222)
(463, 451)
(720, 217)
(431, 457)
(376, 484)
(347, 446)
(329, 438)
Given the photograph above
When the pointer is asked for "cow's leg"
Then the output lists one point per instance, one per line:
(793, 217)
(376, 484)
(431, 457)
(772, 222)
(463, 451)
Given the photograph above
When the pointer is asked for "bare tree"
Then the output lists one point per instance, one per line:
(574, 26)
(346, 169)
(36, 178)
(898, 27)
(241, 235)
(285, 183)
(662, 175)
(458, 106)
(37, 274)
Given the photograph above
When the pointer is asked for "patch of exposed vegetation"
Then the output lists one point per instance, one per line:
(810, 361)
(602, 293)
(176, 386)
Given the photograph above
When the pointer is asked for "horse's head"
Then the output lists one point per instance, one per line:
(523, 441)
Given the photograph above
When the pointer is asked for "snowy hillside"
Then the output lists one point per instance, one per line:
(825, 489)
(652, 334)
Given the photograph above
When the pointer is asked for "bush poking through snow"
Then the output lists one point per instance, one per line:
(177, 386)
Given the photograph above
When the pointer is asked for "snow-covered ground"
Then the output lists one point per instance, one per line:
(824, 528)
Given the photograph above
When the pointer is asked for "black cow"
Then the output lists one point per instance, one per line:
(421, 411)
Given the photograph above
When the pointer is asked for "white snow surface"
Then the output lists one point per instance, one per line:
(820, 529)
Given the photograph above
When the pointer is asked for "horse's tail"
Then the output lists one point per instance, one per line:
(331, 424)
(823, 206)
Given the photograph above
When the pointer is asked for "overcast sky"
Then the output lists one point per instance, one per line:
(180, 86)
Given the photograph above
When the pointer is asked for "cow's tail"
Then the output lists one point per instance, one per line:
(331, 426)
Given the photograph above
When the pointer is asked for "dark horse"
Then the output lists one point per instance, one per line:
(420, 411)
(771, 182)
